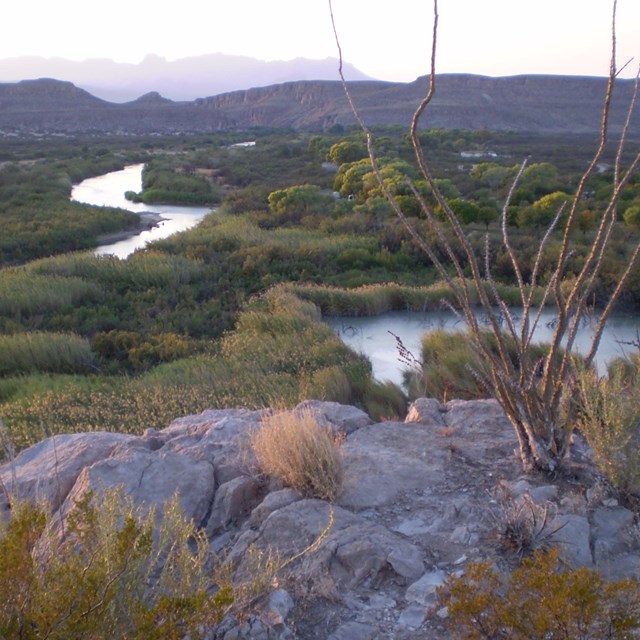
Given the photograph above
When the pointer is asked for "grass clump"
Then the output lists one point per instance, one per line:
(294, 448)
(449, 362)
(609, 418)
(44, 351)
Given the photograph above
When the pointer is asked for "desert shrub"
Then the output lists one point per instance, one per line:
(609, 417)
(539, 602)
(294, 448)
(117, 572)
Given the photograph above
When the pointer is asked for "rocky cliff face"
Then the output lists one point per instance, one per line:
(421, 499)
(536, 104)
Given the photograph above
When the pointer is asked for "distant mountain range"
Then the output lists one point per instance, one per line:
(535, 104)
(183, 79)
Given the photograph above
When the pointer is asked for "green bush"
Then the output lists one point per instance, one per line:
(539, 602)
(117, 572)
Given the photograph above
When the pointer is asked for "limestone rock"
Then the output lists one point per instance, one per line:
(426, 410)
(233, 499)
(339, 417)
(354, 631)
(47, 471)
(150, 478)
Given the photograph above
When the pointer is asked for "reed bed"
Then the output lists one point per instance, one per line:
(278, 355)
(370, 300)
(43, 351)
(26, 294)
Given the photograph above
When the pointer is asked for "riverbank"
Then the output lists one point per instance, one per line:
(148, 220)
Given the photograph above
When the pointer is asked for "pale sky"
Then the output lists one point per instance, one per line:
(386, 40)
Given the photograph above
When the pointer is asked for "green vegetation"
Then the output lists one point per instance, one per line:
(167, 180)
(278, 355)
(36, 217)
(539, 600)
(114, 574)
(608, 410)
(450, 366)
(177, 328)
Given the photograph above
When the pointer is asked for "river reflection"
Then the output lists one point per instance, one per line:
(370, 336)
(108, 190)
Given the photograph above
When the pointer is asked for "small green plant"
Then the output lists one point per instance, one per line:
(540, 602)
(609, 417)
(299, 452)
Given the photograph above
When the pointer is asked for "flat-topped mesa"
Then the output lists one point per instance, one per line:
(527, 103)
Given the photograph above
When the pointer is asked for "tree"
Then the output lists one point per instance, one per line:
(298, 199)
(632, 216)
(467, 212)
(346, 151)
(543, 211)
(530, 392)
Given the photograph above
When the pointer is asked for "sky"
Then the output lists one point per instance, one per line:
(387, 40)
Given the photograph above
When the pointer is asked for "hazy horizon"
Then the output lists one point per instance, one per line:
(494, 38)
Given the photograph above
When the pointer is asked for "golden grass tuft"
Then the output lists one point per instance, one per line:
(298, 451)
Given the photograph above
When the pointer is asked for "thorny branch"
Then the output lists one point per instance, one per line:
(529, 391)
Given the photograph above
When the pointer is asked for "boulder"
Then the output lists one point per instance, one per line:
(47, 471)
(151, 478)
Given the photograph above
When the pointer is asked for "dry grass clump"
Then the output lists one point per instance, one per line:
(298, 451)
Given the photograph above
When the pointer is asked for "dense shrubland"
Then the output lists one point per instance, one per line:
(36, 217)
(161, 315)
(167, 179)
(278, 355)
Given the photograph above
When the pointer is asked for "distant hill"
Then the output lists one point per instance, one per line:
(535, 104)
(183, 79)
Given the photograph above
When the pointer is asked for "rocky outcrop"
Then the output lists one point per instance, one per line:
(421, 499)
(533, 104)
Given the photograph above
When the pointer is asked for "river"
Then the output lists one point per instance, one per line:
(108, 190)
(370, 336)
(367, 335)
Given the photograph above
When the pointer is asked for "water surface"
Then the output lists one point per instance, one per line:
(108, 190)
(370, 336)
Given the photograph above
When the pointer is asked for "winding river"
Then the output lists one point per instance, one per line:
(368, 335)
(108, 190)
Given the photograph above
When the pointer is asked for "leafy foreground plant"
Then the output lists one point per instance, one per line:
(539, 602)
(530, 393)
(295, 449)
(112, 572)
